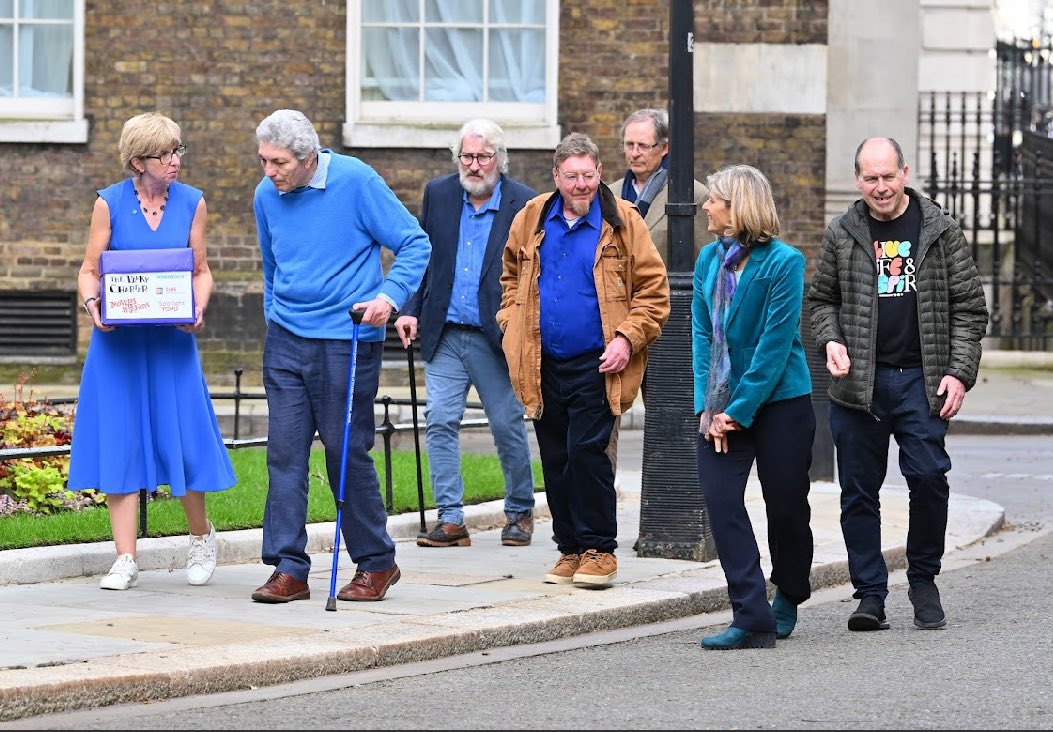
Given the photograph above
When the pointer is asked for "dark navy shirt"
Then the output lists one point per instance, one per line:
(570, 310)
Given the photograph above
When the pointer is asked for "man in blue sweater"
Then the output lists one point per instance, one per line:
(321, 219)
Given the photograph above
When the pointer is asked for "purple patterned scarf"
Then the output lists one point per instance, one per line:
(717, 386)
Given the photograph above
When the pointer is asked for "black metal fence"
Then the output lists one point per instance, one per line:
(996, 177)
(386, 429)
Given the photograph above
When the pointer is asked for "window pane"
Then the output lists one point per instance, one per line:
(390, 11)
(389, 64)
(453, 11)
(453, 62)
(59, 9)
(517, 11)
(6, 8)
(517, 66)
(45, 61)
(7, 83)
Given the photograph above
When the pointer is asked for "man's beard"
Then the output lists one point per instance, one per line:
(580, 208)
(478, 186)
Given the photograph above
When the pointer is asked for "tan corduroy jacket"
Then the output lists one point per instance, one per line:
(631, 286)
(658, 221)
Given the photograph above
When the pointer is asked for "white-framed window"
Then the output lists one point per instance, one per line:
(417, 69)
(42, 71)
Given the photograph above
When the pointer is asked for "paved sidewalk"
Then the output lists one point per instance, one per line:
(66, 644)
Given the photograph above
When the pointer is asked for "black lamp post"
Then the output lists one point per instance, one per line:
(674, 523)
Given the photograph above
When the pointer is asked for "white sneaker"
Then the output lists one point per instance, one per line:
(122, 575)
(201, 557)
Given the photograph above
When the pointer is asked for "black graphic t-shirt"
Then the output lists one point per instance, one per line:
(895, 249)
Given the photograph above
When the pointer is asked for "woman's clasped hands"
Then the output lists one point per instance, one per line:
(717, 429)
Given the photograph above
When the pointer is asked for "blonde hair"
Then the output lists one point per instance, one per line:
(146, 134)
(752, 206)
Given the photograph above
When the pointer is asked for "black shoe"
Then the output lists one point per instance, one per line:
(870, 615)
(928, 613)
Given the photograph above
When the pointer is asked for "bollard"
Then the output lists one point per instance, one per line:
(823, 446)
(674, 521)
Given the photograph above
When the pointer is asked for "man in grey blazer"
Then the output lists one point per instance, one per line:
(645, 142)
(467, 215)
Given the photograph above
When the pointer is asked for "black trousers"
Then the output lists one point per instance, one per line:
(780, 440)
(901, 410)
(572, 438)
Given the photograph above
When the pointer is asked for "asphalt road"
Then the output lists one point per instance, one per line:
(989, 669)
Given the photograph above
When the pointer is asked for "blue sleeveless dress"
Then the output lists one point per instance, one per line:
(144, 417)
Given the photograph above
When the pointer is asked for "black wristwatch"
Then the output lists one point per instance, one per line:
(85, 304)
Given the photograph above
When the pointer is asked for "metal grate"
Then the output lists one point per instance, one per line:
(38, 324)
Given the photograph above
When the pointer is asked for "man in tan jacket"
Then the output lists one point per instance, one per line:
(645, 142)
(578, 315)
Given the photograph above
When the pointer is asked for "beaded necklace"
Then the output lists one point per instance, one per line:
(146, 210)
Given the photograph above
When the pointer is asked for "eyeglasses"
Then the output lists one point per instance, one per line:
(641, 146)
(166, 157)
(573, 177)
(481, 158)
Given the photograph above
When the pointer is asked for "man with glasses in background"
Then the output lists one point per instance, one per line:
(645, 142)
(466, 215)
(578, 315)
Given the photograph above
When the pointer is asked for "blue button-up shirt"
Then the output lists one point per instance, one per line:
(471, 246)
(570, 309)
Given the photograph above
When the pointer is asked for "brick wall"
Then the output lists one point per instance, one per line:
(789, 149)
(217, 68)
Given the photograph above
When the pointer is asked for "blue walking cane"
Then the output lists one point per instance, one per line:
(356, 317)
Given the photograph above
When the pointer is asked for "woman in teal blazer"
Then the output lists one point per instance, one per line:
(753, 397)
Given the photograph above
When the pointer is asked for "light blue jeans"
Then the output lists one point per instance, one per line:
(464, 358)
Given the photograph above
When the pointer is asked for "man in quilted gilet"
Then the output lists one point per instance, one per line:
(898, 310)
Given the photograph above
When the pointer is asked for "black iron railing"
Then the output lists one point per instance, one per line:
(386, 429)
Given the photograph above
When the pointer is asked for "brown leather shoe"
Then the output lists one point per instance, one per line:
(369, 586)
(445, 534)
(282, 587)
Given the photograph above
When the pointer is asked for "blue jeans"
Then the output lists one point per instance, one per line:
(464, 358)
(780, 441)
(900, 409)
(306, 381)
(573, 437)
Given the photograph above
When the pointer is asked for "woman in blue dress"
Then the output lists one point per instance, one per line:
(144, 415)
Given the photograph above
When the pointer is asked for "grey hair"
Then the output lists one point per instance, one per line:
(290, 129)
(900, 161)
(658, 118)
(493, 137)
(576, 143)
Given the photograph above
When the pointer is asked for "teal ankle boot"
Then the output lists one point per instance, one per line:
(785, 615)
(734, 638)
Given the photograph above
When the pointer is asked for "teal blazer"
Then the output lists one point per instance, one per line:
(763, 329)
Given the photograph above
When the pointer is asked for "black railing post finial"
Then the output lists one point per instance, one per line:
(387, 429)
(237, 399)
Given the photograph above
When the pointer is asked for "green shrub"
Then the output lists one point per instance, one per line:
(37, 484)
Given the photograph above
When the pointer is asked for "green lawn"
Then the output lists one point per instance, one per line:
(241, 507)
